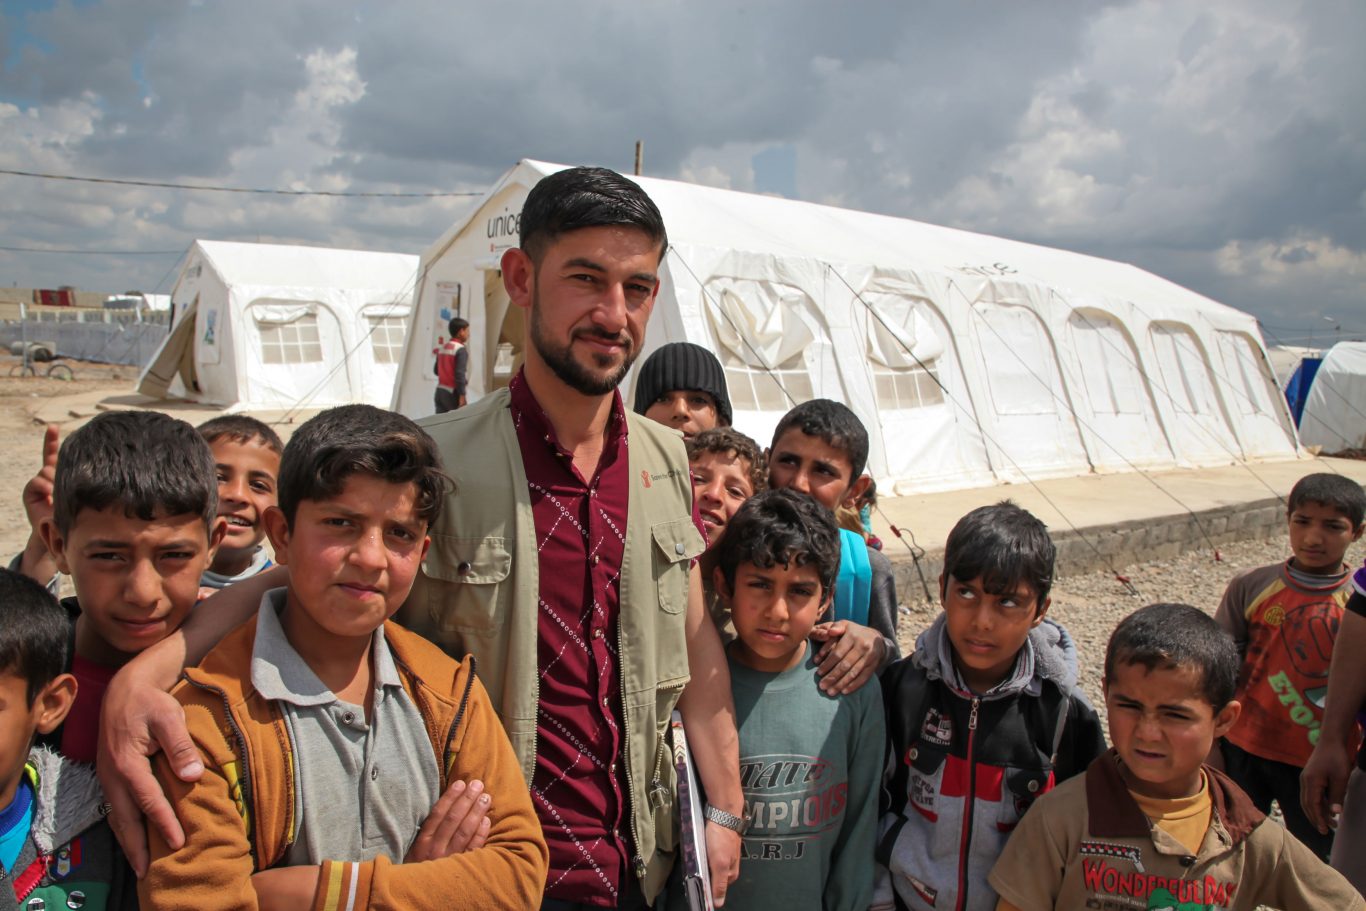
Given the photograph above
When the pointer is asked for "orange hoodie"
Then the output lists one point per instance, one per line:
(239, 817)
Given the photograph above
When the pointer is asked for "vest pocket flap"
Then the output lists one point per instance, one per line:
(926, 758)
(1026, 784)
(477, 561)
(678, 539)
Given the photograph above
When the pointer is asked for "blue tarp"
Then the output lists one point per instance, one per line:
(1297, 390)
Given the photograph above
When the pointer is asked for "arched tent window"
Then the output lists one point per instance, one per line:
(289, 332)
(386, 324)
(904, 348)
(1197, 428)
(762, 338)
(1247, 382)
(1110, 374)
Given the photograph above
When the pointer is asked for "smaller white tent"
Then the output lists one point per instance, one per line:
(269, 327)
(1335, 409)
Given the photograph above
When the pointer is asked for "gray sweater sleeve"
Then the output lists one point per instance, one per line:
(882, 608)
(462, 360)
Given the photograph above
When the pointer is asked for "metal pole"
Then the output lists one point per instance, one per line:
(640, 155)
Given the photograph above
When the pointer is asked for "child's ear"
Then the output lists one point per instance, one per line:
(1041, 612)
(277, 530)
(53, 702)
(217, 531)
(1356, 535)
(1226, 718)
(718, 583)
(426, 545)
(55, 543)
(856, 491)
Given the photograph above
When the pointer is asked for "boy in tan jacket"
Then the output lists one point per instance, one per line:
(346, 760)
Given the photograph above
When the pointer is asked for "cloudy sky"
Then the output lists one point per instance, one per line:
(1219, 143)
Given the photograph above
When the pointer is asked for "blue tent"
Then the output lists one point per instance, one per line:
(1297, 390)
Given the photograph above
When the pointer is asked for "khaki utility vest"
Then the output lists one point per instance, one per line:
(479, 590)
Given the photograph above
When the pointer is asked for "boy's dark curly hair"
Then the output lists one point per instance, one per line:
(781, 526)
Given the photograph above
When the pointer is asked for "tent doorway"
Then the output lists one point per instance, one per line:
(505, 330)
(174, 360)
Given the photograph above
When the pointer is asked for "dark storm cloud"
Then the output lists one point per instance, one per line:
(1218, 144)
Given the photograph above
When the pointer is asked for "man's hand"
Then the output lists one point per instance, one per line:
(723, 860)
(136, 721)
(1323, 783)
(850, 656)
(458, 822)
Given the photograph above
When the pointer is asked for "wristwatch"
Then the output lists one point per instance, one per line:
(737, 824)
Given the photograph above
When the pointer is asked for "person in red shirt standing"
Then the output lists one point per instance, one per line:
(452, 366)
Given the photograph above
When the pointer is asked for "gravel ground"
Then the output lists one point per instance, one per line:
(1091, 604)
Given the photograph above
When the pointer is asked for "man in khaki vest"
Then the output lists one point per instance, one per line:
(564, 565)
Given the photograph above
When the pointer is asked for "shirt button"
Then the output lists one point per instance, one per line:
(595, 559)
(597, 634)
(348, 717)
(463, 568)
(678, 549)
(374, 772)
(592, 491)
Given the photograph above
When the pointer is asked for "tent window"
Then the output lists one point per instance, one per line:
(294, 342)
(1113, 385)
(1019, 359)
(762, 339)
(1245, 378)
(905, 389)
(386, 338)
(762, 390)
(904, 348)
(1183, 368)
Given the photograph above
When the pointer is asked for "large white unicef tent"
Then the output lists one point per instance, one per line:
(971, 359)
(267, 327)
(1335, 409)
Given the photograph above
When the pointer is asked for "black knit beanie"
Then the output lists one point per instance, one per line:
(682, 365)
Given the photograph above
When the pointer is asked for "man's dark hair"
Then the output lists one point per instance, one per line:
(834, 423)
(149, 463)
(241, 428)
(360, 439)
(731, 442)
(781, 526)
(456, 324)
(586, 198)
(1167, 636)
(1338, 493)
(1003, 545)
(34, 633)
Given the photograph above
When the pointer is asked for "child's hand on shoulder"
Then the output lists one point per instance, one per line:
(851, 653)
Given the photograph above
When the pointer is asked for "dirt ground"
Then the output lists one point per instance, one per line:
(21, 433)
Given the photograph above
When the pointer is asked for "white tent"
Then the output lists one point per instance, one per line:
(971, 359)
(266, 326)
(1335, 409)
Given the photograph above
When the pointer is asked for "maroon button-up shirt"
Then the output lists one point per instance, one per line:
(579, 785)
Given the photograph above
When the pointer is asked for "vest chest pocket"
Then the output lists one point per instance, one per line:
(677, 542)
(464, 575)
(924, 778)
(1019, 789)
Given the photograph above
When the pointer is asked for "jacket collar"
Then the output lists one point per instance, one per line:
(1113, 813)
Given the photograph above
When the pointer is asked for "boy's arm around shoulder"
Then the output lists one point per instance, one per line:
(213, 869)
(508, 871)
(1283, 873)
(1029, 873)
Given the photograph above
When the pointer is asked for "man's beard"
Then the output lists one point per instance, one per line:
(560, 359)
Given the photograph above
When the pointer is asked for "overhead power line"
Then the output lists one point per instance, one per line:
(92, 252)
(214, 189)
